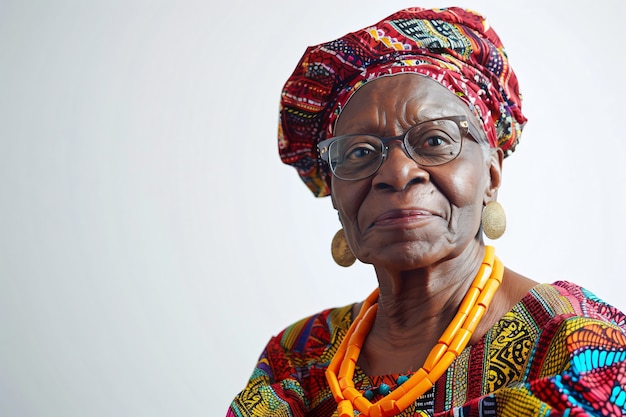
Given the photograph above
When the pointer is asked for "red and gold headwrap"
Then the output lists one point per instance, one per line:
(453, 46)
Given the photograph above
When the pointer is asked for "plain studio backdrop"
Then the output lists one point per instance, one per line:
(151, 241)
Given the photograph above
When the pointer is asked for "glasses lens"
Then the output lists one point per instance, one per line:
(435, 142)
(355, 156)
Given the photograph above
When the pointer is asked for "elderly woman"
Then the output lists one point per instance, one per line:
(406, 124)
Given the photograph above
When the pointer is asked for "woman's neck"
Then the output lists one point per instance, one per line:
(408, 297)
(410, 325)
(414, 309)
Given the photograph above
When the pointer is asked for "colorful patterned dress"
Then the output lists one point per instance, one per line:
(560, 351)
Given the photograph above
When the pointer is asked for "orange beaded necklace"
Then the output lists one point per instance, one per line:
(340, 372)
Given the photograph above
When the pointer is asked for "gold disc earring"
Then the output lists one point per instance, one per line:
(340, 250)
(493, 220)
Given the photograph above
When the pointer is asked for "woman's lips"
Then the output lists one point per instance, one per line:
(395, 217)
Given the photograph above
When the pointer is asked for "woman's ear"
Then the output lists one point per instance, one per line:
(496, 156)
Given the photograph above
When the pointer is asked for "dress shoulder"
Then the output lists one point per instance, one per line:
(563, 298)
(289, 377)
(315, 332)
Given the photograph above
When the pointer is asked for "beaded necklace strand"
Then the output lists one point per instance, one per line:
(340, 372)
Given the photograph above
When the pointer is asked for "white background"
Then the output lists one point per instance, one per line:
(150, 239)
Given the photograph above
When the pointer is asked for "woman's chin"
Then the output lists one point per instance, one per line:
(405, 256)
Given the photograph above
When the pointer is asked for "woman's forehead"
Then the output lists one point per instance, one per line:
(398, 101)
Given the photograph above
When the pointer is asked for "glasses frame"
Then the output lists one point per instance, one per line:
(463, 124)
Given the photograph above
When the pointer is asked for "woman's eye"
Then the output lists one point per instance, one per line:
(434, 141)
(359, 152)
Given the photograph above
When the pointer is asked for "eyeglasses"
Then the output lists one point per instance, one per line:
(429, 143)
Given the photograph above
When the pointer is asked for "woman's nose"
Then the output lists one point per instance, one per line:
(398, 171)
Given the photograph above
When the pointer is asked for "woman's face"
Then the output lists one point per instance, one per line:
(406, 216)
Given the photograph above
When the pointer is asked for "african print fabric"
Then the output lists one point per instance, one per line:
(560, 351)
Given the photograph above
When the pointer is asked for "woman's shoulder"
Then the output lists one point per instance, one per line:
(291, 368)
(316, 331)
(563, 299)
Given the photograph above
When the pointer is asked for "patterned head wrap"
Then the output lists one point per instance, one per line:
(453, 46)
